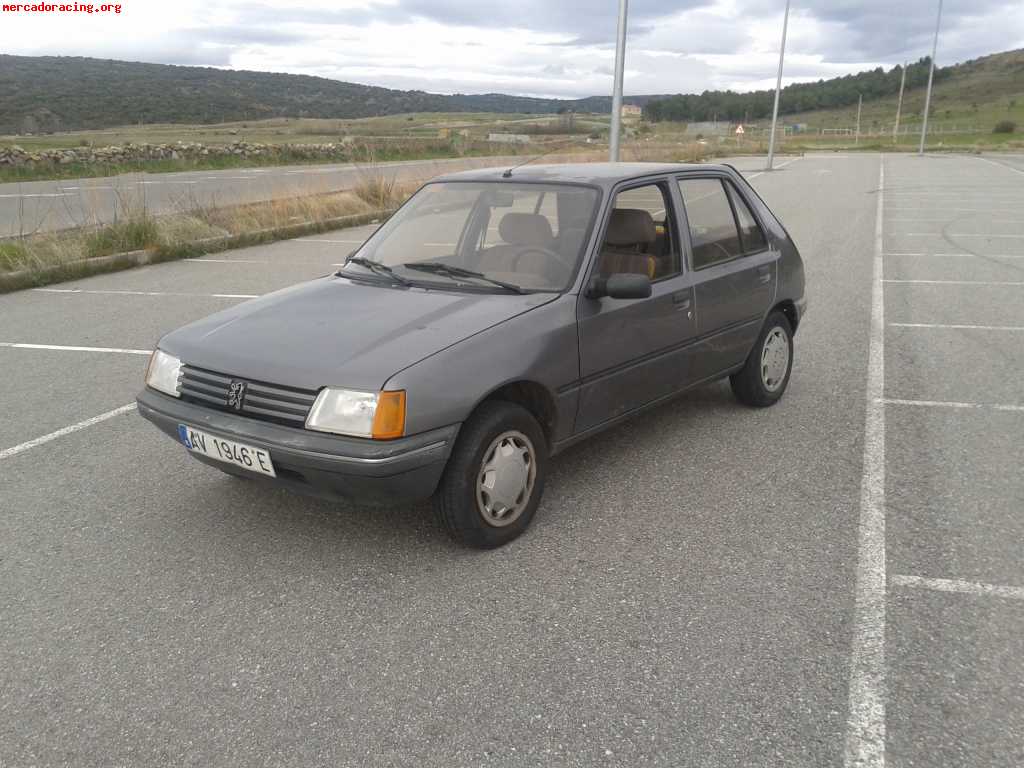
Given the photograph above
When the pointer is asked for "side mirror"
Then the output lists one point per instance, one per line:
(623, 286)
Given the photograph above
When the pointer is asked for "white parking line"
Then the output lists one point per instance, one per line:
(959, 282)
(204, 260)
(962, 587)
(13, 451)
(865, 723)
(960, 327)
(965, 255)
(151, 293)
(60, 348)
(312, 240)
(42, 194)
(951, 234)
(952, 210)
(951, 404)
(946, 220)
(1001, 165)
(780, 165)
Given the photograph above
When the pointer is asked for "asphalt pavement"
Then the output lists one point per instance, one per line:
(700, 587)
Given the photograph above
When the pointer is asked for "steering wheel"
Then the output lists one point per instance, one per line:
(545, 252)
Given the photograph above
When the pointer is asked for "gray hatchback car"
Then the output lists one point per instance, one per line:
(497, 318)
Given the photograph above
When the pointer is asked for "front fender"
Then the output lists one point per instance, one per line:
(540, 346)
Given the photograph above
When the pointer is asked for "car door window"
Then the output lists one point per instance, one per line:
(714, 237)
(640, 237)
(752, 239)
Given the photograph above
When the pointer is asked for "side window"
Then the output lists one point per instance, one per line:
(641, 237)
(713, 233)
(751, 237)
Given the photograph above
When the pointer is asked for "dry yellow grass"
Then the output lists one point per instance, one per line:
(194, 229)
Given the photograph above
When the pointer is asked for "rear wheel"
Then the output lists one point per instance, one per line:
(494, 478)
(765, 376)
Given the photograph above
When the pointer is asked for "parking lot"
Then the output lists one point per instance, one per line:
(839, 578)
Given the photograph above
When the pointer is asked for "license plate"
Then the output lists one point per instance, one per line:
(241, 455)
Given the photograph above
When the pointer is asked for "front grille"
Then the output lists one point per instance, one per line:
(267, 402)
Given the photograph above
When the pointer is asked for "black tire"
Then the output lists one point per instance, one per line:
(749, 383)
(455, 502)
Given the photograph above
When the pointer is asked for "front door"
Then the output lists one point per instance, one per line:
(734, 272)
(634, 351)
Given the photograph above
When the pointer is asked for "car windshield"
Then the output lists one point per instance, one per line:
(497, 236)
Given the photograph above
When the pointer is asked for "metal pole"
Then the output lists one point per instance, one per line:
(778, 89)
(860, 101)
(931, 73)
(899, 105)
(620, 66)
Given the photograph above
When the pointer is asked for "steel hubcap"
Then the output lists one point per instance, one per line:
(506, 479)
(774, 359)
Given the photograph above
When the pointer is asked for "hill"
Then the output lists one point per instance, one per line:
(43, 94)
(981, 91)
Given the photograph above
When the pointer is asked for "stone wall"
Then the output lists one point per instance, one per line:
(136, 153)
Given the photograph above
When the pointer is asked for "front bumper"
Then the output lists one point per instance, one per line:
(315, 463)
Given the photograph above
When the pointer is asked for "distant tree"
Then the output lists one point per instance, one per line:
(798, 97)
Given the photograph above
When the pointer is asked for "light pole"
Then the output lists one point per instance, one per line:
(778, 89)
(620, 66)
(931, 73)
(899, 105)
(860, 102)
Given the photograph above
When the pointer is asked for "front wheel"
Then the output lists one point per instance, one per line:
(495, 477)
(765, 375)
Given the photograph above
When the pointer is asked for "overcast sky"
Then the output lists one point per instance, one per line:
(561, 48)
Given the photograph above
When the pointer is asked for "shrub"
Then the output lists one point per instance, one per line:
(13, 256)
(1005, 126)
(132, 234)
(376, 188)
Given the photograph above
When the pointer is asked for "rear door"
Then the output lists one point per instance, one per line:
(734, 271)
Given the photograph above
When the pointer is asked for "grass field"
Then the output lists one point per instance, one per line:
(420, 125)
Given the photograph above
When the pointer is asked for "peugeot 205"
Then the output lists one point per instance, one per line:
(497, 318)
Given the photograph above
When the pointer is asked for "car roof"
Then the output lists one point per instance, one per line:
(599, 174)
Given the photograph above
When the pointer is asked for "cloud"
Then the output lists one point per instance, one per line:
(529, 47)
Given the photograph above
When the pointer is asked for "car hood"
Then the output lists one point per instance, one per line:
(338, 332)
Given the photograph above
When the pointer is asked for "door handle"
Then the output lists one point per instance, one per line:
(764, 274)
(681, 300)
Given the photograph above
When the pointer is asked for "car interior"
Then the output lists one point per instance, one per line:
(630, 244)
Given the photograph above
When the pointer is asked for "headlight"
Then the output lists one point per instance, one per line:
(378, 415)
(162, 373)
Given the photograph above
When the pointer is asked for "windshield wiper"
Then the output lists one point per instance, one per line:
(377, 268)
(446, 270)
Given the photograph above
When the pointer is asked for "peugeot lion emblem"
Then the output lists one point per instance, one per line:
(236, 395)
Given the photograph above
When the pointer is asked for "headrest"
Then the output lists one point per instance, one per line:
(629, 226)
(525, 229)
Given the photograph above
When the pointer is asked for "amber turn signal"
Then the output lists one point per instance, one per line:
(389, 419)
